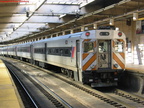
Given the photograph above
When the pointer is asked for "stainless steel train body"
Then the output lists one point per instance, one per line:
(95, 57)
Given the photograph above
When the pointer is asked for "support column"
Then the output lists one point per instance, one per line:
(63, 33)
(71, 31)
(82, 28)
(95, 26)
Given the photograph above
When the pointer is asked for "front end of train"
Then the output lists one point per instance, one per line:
(103, 58)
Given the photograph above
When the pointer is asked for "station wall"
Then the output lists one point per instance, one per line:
(134, 41)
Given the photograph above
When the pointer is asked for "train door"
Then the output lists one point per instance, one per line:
(104, 54)
(16, 51)
(76, 74)
(31, 53)
(45, 51)
(89, 55)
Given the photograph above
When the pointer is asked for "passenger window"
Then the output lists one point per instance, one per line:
(119, 46)
(49, 51)
(88, 47)
(56, 51)
(66, 51)
(53, 51)
(61, 52)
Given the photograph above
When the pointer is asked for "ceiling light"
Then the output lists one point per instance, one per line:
(135, 16)
(95, 26)
(111, 21)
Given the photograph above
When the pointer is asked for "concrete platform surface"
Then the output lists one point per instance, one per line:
(135, 68)
(9, 97)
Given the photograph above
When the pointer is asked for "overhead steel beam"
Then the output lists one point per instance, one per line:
(70, 2)
(44, 19)
(6, 30)
(16, 9)
(27, 30)
(32, 25)
(10, 25)
(58, 9)
(13, 19)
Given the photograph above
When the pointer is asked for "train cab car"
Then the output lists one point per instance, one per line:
(106, 62)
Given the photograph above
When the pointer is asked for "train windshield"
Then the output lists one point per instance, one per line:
(119, 46)
(88, 47)
(103, 46)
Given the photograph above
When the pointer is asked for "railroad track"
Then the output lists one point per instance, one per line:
(130, 96)
(29, 102)
(55, 99)
(133, 100)
(100, 95)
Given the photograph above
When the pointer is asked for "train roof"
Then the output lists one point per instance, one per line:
(62, 37)
(74, 35)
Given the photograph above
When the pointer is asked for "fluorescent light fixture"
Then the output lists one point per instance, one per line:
(135, 16)
(111, 21)
(95, 26)
(62, 15)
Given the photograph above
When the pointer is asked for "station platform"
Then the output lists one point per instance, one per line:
(9, 96)
(135, 68)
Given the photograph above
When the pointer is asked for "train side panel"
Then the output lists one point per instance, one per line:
(23, 51)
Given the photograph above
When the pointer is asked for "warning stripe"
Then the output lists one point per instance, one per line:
(118, 61)
(123, 55)
(94, 68)
(87, 39)
(85, 55)
(94, 44)
(121, 40)
(89, 62)
(113, 44)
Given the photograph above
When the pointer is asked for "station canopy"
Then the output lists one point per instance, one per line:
(22, 19)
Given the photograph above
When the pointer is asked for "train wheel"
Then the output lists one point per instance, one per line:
(70, 74)
(62, 70)
(66, 72)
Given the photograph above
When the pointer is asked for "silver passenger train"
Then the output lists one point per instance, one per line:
(95, 57)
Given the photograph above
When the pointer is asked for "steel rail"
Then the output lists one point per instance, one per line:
(30, 97)
(63, 102)
(102, 96)
(59, 99)
(130, 96)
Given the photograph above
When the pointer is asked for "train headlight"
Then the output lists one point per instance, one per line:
(87, 34)
(116, 65)
(90, 80)
(119, 34)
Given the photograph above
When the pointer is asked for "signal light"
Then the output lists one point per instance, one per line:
(120, 34)
(115, 73)
(87, 33)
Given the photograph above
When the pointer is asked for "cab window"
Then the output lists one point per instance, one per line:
(88, 47)
(103, 46)
(119, 46)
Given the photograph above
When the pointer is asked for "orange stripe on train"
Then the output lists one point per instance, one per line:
(85, 55)
(94, 44)
(94, 68)
(123, 55)
(87, 39)
(121, 40)
(118, 61)
(90, 61)
(113, 44)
